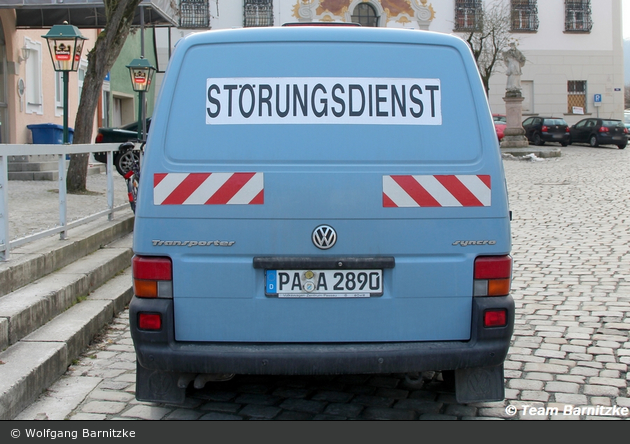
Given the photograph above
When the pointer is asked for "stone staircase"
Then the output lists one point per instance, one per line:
(42, 167)
(55, 296)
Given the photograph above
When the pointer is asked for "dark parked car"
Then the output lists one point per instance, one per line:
(600, 132)
(539, 130)
(129, 132)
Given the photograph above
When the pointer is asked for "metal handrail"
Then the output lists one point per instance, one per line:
(61, 151)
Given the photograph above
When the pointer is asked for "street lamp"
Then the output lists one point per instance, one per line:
(141, 72)
(65, 43)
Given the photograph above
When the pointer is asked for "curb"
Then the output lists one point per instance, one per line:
(542, 152)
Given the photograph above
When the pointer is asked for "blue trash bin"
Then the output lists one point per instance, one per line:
(49, 133)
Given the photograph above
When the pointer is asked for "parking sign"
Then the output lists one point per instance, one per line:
(597, 99)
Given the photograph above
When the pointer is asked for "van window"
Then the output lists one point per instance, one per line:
(285, 113)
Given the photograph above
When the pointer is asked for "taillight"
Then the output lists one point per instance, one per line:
(152, 277)
(545, 129)
(603, 129)
(566, 130)
(99, 138)
(149, 321)
(495, 318)
(625, 130)
(492, 276)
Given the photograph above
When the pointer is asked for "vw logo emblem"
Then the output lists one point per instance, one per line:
(324, 237)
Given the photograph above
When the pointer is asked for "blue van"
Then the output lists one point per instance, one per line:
(321, 200)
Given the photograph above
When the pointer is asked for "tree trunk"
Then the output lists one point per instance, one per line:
(101, 58)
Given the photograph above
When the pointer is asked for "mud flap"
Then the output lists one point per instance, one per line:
(158, 386)
(479, 384)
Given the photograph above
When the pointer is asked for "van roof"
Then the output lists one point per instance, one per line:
(326, 33)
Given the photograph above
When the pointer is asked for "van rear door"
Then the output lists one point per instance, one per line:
(322, 185)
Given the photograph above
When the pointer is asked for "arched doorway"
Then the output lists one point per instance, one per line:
(365, 15)
(4, 126)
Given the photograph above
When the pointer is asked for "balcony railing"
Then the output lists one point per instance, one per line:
(194, 14)
(258, 13)
(524, 16)
(468, 15)
(577, 16)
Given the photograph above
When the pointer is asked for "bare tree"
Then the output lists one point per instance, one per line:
(490, 38)
(119, 15)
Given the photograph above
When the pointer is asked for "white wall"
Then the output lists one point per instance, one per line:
(553, 55)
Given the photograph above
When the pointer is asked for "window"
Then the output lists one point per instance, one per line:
(577, 16)
(576, 96)
(258, 13)
(83, 64)
(524, 15)
(58, 93)
(34, 100)
(527, 91)
(365, 15)
(106, 101)
(194, 14)
(468, 14)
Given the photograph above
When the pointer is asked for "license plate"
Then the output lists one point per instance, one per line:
(324, 283)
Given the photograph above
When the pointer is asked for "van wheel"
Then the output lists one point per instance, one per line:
(621, 146)
(538, 140)
(593, 141)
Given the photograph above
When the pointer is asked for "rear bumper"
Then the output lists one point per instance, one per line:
(605, 139)
(555, 137)
(158, 350)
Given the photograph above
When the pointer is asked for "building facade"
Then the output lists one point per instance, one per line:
(574, 52)
(574, 48)
(31, 92)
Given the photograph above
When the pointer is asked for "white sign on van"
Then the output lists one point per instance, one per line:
(310, 100)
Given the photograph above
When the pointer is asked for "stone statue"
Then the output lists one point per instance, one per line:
(514, 60)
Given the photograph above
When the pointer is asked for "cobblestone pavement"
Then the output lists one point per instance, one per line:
(571, 233)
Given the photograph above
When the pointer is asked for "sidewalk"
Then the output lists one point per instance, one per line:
(34, 205)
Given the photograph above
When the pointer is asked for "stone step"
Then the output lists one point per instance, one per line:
(33, 364)
(48, 171)
(56, 296)
(30, 307)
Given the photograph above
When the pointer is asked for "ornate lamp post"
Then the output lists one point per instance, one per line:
(141, 72)
(65, 43)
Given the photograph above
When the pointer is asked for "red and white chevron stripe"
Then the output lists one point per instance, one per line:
(208, 188)
(437, 191)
